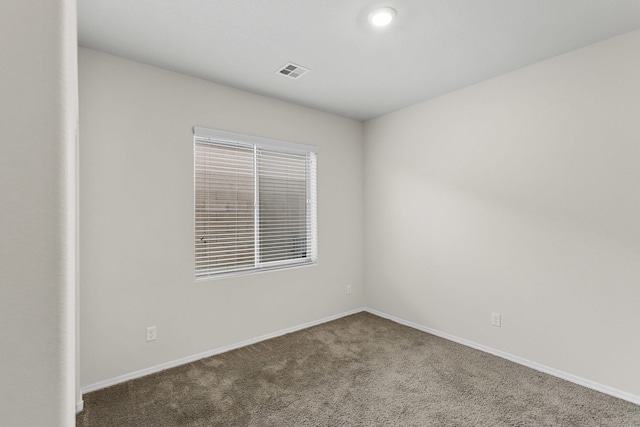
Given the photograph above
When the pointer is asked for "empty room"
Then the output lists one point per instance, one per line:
(320, 213)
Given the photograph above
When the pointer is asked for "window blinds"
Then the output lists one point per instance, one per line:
(255, 203)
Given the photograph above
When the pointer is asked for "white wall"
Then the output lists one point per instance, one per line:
(521, 196)
(38, 124)
(136, 213)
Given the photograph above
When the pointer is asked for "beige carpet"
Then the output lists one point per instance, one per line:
(360, 370)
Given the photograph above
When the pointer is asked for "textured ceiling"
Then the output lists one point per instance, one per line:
(432, 47)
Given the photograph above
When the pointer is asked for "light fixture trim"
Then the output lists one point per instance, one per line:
(382, 16)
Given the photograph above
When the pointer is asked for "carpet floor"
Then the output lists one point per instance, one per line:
(360, 370)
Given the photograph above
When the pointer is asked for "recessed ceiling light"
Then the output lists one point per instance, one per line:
(382, 17)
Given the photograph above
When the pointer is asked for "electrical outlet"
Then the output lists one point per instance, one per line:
(348, 289)
(496, 319)
(151, 333)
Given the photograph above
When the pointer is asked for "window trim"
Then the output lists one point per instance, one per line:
(219, 136)
(214, 135)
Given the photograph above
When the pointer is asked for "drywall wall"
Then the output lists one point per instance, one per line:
(517, 196)
(136, 219)
(38, 124)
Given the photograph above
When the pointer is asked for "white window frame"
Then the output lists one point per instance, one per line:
(212, 136)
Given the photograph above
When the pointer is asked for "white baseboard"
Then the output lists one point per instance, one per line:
(538, 367)
(189, 359)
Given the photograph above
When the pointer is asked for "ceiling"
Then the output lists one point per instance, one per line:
(432, 47)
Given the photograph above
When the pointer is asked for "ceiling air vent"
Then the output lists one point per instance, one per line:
(292, 70)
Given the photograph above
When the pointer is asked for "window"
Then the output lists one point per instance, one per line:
(255, 203)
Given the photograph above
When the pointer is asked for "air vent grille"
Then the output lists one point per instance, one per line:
(292, 70)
